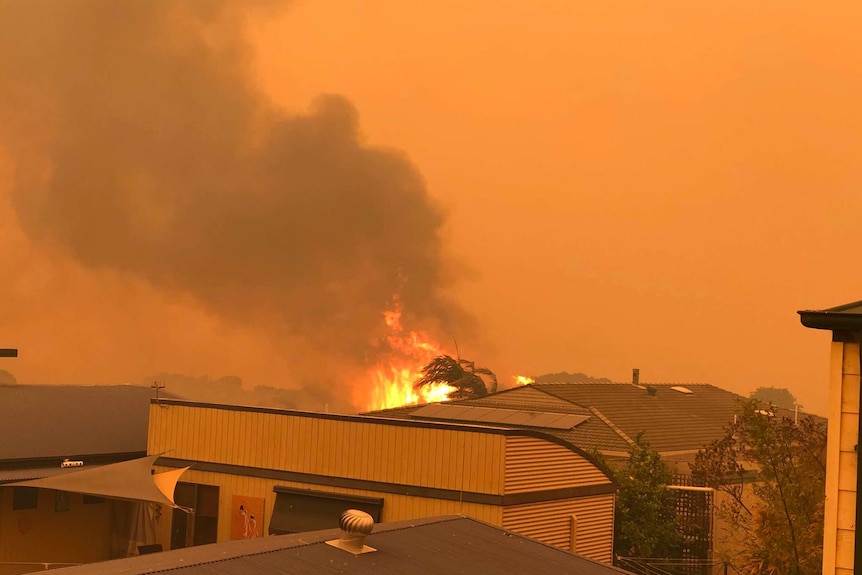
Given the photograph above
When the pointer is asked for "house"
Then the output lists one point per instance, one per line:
(677, 420)
(86, 427)
(840, 541)
(257, 470)
(449, 544)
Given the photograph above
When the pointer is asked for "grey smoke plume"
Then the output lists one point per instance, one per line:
(141, 144)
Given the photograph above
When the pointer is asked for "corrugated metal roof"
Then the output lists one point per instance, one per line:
(451, 544)
(537, 419)
(68, 421)
(11, 475)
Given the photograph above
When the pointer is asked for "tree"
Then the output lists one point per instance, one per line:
(779, 396)
(459, 373)
(774, 474)
(7, 378)
(645, 522)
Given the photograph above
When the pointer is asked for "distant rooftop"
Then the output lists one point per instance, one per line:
(45, 421)
(674, 418)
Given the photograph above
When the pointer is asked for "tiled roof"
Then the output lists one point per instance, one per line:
(435, 545)
(41, 421)
(670, 420)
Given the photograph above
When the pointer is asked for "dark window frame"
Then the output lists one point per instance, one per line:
(195, 528)
(297, 510)
(25, 498)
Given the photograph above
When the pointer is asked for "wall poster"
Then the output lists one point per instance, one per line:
(246, 517)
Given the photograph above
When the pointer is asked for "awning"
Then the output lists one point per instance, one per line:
(132, 480)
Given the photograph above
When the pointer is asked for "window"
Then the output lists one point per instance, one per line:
(25, 498)
(61, 501)
(297, 510)
(201, 526)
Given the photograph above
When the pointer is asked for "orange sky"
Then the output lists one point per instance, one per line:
(658, 185)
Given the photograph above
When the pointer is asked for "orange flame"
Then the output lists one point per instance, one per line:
(523, 379)
(393, 377)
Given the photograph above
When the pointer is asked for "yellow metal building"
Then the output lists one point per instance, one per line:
(298, 470)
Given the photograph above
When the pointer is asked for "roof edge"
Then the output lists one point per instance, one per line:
(829, 320)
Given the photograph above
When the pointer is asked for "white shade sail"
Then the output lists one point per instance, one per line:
(132, 480)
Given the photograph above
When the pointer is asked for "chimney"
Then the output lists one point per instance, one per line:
(636, 376)
(355, 526)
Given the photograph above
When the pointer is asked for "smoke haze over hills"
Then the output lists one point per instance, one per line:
(142, 148)
(635, 184)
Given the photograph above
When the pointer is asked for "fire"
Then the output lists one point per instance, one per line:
(393, 377)
(523, 379)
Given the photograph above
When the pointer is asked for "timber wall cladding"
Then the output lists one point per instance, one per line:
(550, 522)
(533, 464)
(841, 492)
(421, 456)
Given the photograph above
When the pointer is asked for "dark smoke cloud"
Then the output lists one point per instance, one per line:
(142, 144)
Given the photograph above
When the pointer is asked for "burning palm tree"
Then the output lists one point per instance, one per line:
(460, 374)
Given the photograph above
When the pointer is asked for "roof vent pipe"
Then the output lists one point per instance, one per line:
(636, 376)
(355, 526)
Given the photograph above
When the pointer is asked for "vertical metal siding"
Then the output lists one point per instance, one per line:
(550, 523)
(458, 460)
(426, 457)
(534, 464)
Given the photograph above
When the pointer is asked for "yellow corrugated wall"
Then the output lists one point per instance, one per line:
(534, 464)
(550, 522)
(421, 456)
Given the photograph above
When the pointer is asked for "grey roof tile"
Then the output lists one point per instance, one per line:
(670, 420)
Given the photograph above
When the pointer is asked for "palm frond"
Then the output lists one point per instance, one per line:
(462, 374)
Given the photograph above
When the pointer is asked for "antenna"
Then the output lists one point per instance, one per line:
(156, 387)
